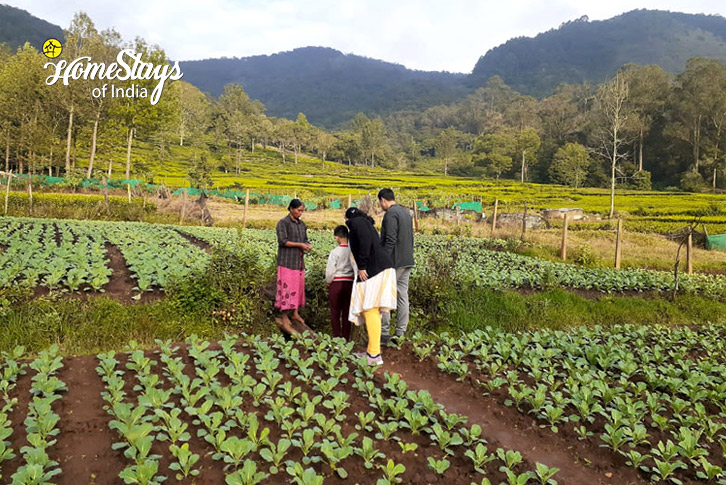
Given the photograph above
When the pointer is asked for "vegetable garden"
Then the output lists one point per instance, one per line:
(628, 404)
(624, 404)
(73, 255)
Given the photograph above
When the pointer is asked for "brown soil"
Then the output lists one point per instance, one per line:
(83, 449)
(579, 463)
(84, 443)
(120, 286)
(85, 454)
(194, 240)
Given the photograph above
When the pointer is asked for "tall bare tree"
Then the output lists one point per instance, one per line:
(610, 133)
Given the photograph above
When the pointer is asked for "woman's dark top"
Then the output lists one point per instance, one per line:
(366, 247)
(293, 230)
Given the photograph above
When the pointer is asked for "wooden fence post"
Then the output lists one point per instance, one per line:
(128, 189)
(350, 201)
(105, 195)
(563, 250)
(415, 216)
(618, 244)
(689, 254)
(30, 194)
(183, 207)
(7, 191)
(494, 215)
(244, 216)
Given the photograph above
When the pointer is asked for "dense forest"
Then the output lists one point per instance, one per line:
(592, 51)
(641, 128)
(328, 86)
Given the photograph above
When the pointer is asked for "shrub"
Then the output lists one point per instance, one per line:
(78, 206)
(692, 181)
(586, 256)
(230, 287)
(432, 287)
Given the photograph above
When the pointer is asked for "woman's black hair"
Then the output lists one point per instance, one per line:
(294, 204)
(354, 212)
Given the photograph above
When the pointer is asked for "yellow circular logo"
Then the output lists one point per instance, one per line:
(52, 48)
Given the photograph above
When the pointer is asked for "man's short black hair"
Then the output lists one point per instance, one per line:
(341, 231)
(386, 194)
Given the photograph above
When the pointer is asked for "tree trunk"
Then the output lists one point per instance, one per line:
(93, 145)
(128, 154)
(296, 150)
(252, 148)
(640, 152)
(68, 138)
(238, 158)
(523, 164)
(612, 184)
(110, 166)
(7, 155)
(714, 179)
(697, 143)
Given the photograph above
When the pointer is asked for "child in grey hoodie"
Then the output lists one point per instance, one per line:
(339, 276)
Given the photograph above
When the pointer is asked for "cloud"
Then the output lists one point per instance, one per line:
(423, 34)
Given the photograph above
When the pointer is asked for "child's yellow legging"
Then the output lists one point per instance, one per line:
(373, 326)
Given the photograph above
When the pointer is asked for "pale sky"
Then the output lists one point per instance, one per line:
(420, 34)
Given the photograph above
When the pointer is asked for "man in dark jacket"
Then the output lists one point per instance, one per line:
(397, 239)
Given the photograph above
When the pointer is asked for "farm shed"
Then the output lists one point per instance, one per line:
(572, 214)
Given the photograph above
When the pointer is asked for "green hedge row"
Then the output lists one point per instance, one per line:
(77, 206)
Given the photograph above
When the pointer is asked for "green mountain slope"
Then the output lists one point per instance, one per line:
(18, 27)
(592, 51)
(328, 86)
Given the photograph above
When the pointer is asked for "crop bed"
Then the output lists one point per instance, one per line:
(475, 263)
(654, 396)
(92, 256)
(630, 404)
(240, 411)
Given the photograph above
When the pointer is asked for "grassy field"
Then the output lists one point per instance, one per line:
(589, 247)
(263, 171)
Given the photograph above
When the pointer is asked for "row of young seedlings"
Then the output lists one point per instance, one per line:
(216, 409)
(635, 378)
(10, 370)
(404, 410)
(134, 422)
(41, 421)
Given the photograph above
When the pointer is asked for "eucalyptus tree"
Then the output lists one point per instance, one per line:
(649, 88)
